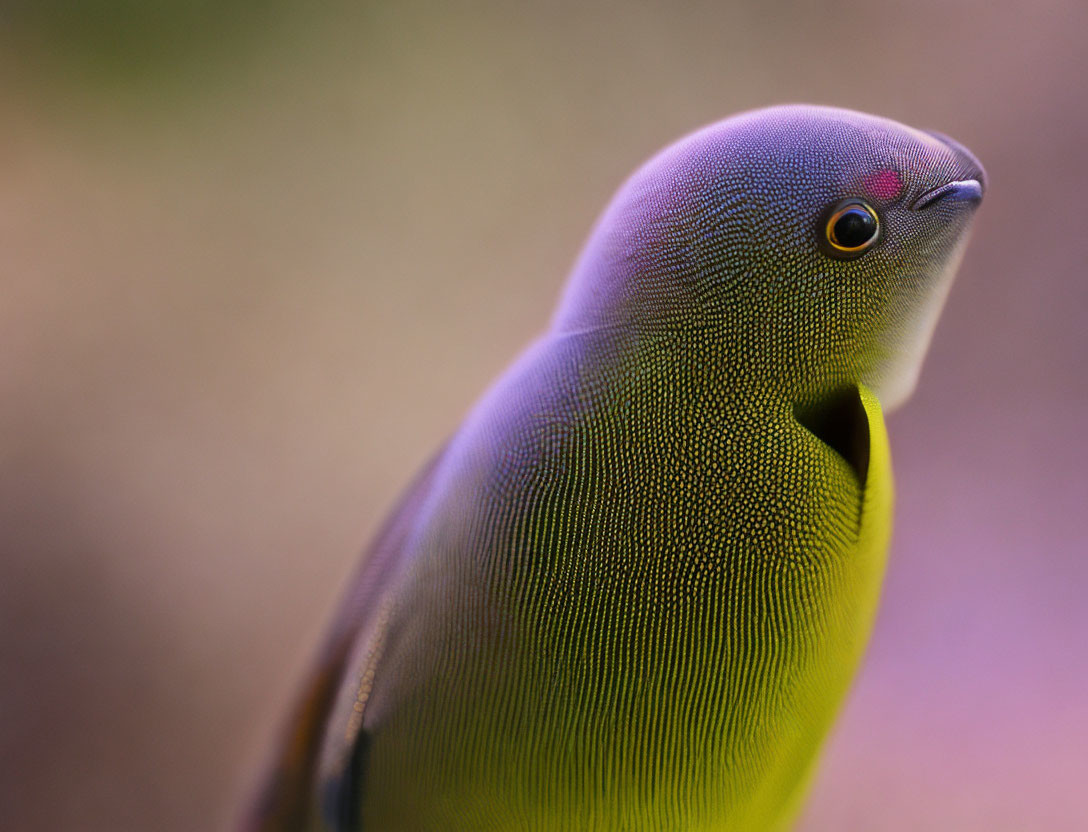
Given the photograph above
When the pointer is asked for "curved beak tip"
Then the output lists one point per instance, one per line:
(961, 190)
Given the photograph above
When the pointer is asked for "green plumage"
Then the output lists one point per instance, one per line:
(632, 591)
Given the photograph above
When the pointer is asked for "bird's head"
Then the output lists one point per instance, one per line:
(814, 245)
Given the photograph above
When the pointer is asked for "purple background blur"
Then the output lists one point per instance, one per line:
(257, 259)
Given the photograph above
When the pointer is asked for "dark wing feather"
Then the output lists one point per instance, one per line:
(287, 799)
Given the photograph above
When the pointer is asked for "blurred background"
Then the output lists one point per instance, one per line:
(257, 257)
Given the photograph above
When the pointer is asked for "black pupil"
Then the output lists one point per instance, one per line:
(854, 228)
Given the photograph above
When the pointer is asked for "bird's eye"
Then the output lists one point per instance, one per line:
(852, 228)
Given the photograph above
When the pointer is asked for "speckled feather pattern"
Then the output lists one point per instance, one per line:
(632, 591)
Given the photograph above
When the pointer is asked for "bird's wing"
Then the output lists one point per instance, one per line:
(286, 800)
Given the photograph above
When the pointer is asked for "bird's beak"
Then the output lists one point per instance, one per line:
(961, 190)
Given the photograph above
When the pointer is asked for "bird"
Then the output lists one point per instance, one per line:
(632, 590)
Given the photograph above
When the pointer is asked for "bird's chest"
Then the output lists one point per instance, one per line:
(638, 538)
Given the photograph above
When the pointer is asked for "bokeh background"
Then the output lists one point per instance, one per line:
(257, 258)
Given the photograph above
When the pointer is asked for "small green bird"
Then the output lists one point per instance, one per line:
(632, 590)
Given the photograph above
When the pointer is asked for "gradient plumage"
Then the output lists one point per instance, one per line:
(633, 589)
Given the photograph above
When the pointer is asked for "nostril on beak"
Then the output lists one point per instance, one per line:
(962, 190)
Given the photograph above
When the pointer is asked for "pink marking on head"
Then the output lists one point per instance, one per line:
(884, 184)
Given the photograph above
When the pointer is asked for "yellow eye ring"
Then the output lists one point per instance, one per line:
(852, 228)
